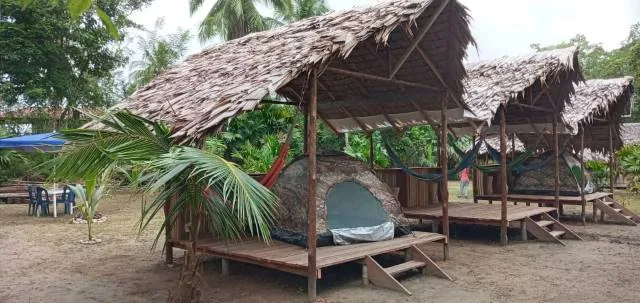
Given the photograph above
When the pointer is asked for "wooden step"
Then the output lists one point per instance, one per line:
(617, 210)
(557, 233)
(629, 217)
(404, 267)
(608, 202)
(618, 214)
(544, 223)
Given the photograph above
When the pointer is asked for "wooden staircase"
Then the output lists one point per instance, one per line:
(614, 211)
(386, 276)
(547, 228)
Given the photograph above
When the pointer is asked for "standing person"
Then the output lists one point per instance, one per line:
(464, 182)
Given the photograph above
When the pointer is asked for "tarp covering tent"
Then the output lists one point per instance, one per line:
(539, 182)
(353, 204)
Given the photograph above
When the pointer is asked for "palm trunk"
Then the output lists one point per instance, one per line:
(187, 291)
(89, 223)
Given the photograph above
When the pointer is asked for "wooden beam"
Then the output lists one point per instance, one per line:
(311, 202)
(582, 184)
(360, 75)
(474, 173)
(556, 167)
(323, 87)
(435, 71)
(504, 223)
(295, 94)
(444, 186)
(538, 132)
(418, 38)
(392, 121)
(538, 108)
(352, 116)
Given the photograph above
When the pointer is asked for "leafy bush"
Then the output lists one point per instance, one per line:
(599, 171)
(629, 159)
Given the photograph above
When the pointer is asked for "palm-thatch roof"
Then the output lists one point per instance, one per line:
(494, 141)
(532, 87)
(595, 105)
(375, 64)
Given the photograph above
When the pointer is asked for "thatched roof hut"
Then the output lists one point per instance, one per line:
(532, 87)
(494, 141)
(379, 66)
(595, 105)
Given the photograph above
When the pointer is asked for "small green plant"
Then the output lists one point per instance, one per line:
(88, 200)
(599, 171)
(629, 159)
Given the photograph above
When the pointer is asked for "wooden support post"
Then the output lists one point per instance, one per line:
(582, 179)
(224, 266)
(444, 189)
(168, 246)
(371, 159)
(474, 175)
(305, 147)
(611, 158)
(556, 167)
(523, 230)
(504, 224)
(311, 203)
(365, 274)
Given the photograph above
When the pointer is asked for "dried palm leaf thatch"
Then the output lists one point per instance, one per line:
(196, 96)
(494, 141)
(603, 99)
(631, 133)
(542, 80)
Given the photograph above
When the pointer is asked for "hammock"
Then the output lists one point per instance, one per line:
(466, 161)
(269, 180)
(516, 165)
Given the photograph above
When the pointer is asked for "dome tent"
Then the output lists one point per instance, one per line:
(540, 181)
(352, 203)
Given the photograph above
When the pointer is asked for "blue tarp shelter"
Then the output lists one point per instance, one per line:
(41, 142)
(35, 143)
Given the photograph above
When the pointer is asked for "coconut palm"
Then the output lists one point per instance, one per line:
(302, 9)
(158, 54)
(213, 189)
(231, 19)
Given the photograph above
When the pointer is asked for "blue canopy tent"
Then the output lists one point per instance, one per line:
(35, 143)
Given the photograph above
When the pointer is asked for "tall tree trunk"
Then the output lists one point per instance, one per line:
(187, 291)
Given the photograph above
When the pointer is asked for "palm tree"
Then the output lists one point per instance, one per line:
(158, 54)
(233, 19)
(303, 9)
(213, 189)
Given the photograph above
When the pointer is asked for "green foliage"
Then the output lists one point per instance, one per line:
(158, 54)
(231, 19)
(629, 159)
(303, 9)
(48, 58)
(599, 171)
(358, 147)
(87, 200)
(598, 63)
(200, 180)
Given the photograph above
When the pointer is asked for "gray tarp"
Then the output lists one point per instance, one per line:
(345, 236)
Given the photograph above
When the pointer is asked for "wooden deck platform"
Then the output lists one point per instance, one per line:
(546, 199)
(476, 213)
(293, 259)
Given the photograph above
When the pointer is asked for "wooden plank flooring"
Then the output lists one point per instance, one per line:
(293, 259)
(570, 200)
(477, 212)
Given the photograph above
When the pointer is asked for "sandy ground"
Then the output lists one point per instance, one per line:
(42, 261)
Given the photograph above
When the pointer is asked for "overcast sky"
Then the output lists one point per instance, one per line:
(500, 27)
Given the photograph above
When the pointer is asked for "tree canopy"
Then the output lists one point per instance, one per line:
(50, 59)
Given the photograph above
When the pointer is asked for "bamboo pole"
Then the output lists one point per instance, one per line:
(582, 183)
(311, 203)
(305, 148)
(444, 189)
(504, 224)
(168, 245)
(611, 157)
